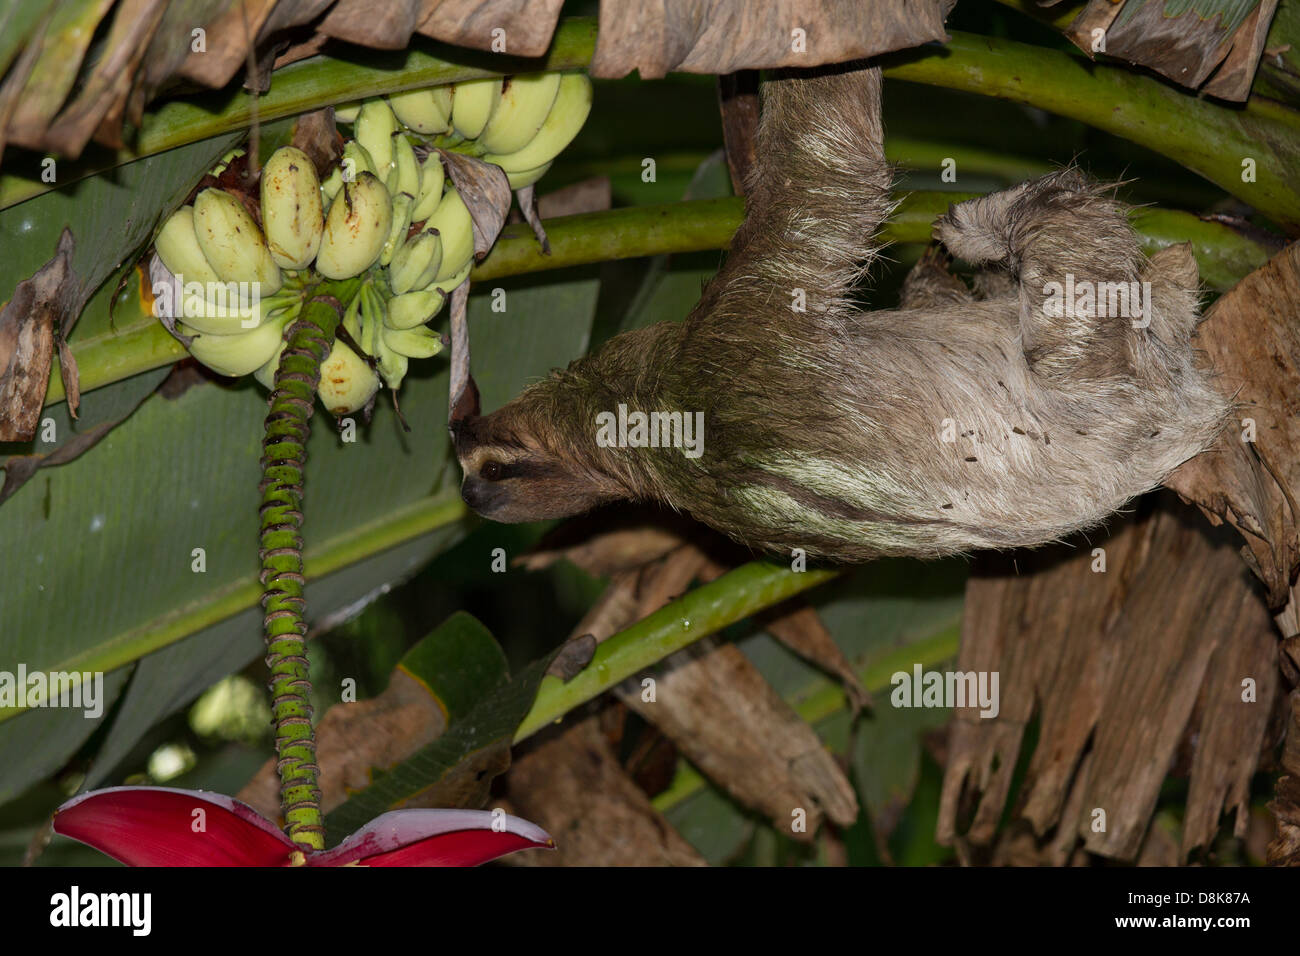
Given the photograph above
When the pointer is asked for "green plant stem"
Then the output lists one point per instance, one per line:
(140, 343)
(284, 451)
(709, 608)
(1209, 139)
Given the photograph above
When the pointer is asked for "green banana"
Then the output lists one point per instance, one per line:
(442, 96)
(527, 177)
(292, 214)
(240, 354)
(402, 203)
(347, 112)
(472, 104)
(416, 262)
(374, 130)
(410, 309)
(419, 342)
(356, 229)
(451, 283)
(177, 246)
(233, 245)
(217, 309)
(330, 186)
(432, 178)
(404, 176)
(572, 104)
(346, 380)
(525, 103)
(422, 111)
(452, 221)
(356, 160)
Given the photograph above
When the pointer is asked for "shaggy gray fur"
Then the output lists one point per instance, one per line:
(951, 424)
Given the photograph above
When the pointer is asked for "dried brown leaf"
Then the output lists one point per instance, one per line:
(42, 310)
(316, 135)
(1112, 663)
(586, 195)
(525, 26)
(725, 717)
(1187, 49)
(571, 784)
(528, 206)
(384, 26)
(606, 552)
(228, 38)
(62, 47)
(486, 193)
(718, 36)
(1251, 337)
(799, 627)
(134, 24)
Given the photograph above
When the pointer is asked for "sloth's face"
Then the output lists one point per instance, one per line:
(510, 477)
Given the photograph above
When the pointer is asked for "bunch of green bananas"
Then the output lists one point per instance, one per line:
(520, 123)
(382, 213)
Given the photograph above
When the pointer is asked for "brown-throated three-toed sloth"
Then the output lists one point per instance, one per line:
(1001, 419)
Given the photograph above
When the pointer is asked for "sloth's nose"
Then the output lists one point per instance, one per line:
(478, 495)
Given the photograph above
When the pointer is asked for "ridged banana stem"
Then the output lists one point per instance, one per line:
(284, 452)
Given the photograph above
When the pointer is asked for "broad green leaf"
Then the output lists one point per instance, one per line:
(46, 743)
(181, 474)
(111, 217)
(458, 662)
(463, 760)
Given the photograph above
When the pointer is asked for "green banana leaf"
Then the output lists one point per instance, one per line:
(181, 474)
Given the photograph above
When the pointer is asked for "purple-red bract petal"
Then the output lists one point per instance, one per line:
(162, 826)
(434, 838)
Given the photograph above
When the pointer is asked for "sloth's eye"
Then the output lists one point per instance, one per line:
(492, 471)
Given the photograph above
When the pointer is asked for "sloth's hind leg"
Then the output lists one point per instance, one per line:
(1069, 242)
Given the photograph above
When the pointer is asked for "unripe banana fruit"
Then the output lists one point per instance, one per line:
(177, 246)
(422, 111)
(292, 215)
(402, 203)
(346, 380)
(456, 228)
(526, 101)
(472, 103)
(356, 229)
(416, 262)
(572, 104)
(432, 178)
(526, 177)
(374, 130)
(356, 160)
(233, 245)
(404, 176)
(240, 354)
(419, 342)
(410, 309)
